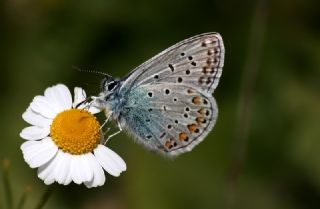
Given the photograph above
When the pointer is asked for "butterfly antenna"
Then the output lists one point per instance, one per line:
(91, 71)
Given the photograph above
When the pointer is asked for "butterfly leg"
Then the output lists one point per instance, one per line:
(105, 122)
(106, 131)
(112, 135)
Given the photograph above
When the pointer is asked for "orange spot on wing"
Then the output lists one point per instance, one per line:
(202, 111)
(183, 137)
(168, 144)
(200, 120)
(196, 100)
(193, 128)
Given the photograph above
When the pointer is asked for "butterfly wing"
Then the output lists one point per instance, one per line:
(169, 105)
(196, 61)
(169, 118)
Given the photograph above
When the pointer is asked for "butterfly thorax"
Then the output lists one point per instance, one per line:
(119, 105)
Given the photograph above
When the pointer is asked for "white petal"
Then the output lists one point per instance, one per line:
(81, 170)
(60, 96)
(42, 106)
(79, 96)
(65, 96)
(34, 132)
(62, 169)
(87, 170)
(37, 153)
(110, 160)
(67, 169)
(75, 169)
(94, 110)
(46, 172)
(68, 179)
(98, 174)
(58, 173)
(117, 159)
(53, 95)
(35, 119)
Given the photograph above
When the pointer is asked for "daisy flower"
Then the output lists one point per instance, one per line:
(64, 140)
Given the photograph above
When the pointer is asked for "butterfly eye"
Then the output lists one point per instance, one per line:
(108, 83)
(112, 85)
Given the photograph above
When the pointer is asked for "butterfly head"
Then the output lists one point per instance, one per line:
(106, 99)
(109, 84)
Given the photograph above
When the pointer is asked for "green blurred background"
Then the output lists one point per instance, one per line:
(263, 152)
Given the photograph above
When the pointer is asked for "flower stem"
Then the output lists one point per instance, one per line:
(23, 198)
(246, 101)
(6, 183)
(45, 197)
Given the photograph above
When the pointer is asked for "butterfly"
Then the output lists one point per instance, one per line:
(166, 103)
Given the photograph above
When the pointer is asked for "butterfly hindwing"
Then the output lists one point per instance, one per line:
(169, 118)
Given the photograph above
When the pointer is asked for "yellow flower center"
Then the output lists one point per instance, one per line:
(75, 131)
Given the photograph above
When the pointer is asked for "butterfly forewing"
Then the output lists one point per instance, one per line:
(196, 62)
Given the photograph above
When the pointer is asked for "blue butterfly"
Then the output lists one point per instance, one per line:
(166, 103)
